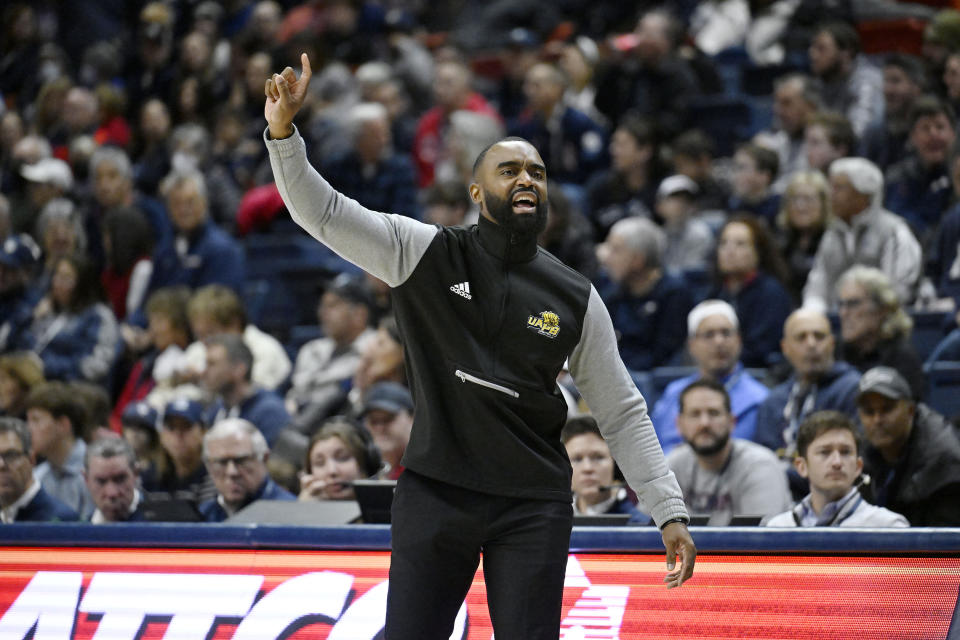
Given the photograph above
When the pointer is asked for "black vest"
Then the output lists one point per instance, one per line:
(488, 322)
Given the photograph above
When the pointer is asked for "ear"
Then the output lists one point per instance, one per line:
(859, 465)
(800, 464)
(475, 192)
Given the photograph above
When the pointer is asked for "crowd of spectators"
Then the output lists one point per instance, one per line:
(773, 267)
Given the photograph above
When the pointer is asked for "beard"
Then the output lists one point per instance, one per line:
(527, 225)
(709, 449)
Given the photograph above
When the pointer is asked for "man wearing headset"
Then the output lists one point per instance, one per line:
(828, 455)
(488, 321)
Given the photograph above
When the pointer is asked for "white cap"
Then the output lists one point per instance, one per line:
(709, 308)
(51, 171)
(675, 184)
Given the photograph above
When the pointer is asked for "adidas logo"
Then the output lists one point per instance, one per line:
(462, 289)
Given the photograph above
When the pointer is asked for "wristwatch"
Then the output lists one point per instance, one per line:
(685, 521)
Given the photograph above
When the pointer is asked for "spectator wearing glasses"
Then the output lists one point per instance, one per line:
(236, 453)
(22, 498)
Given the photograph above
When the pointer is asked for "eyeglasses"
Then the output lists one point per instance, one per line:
(242, 463)
(11, 456)
(850, 303)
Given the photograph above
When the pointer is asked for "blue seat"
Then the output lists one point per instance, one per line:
(726, 119)
(928, 331)
(943, 379)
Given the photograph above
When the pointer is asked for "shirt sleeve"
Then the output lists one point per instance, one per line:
(621, 413)
(386, 245)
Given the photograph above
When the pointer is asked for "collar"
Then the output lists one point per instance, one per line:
(98, 517)
(503, 244)
(833, 512)
(256, 495)
(9, 514)
(600, 507)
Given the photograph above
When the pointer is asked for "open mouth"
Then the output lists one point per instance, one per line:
(524, 202)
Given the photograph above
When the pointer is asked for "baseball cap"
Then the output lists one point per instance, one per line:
(184, 408)
(19, 252)
(387, 396)
(676, 184)
(351, 289)
(49, 171)
(885, 381)
(141, 414)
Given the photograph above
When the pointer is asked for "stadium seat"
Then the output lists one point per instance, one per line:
(943, 394)
(726, 119)
(928, 331)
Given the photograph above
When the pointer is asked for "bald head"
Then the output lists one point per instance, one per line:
(808, 344)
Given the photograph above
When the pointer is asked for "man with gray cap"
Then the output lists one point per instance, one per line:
(912, 453)
(388, 415)
(862, 232)
(713, 339)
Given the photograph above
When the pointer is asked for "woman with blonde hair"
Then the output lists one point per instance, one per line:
(804, 215)
(20, 371)
(874, 327)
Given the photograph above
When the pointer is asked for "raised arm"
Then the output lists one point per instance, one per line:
(386, 245)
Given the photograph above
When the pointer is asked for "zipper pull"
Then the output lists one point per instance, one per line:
(462, 376)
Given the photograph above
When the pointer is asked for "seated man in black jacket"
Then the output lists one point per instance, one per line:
(22, 499)
(912, 453)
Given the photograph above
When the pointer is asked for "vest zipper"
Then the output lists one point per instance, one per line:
(466, 377)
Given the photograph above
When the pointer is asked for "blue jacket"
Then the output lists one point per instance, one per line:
(264, 409)
(746, 395)
(269, 490)
(650, 328)
(212, 257)
(768, 208)
(919, 195)
(574, 147)
(836, 391)
(78, 346)
(944, 266)
(762, 307)
(16, 315)
(46, 508)
(392, 187)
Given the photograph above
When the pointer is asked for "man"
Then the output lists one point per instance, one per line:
(884, 142)
(324, 366)
(722, 476)
(828, 455)
(371, 172)
(227, 379)
(201, 252)
(56, 419)
(110, 469)
(236, 453)
(574, 144)
(918, 186)
(47, 180)
(388, 415)
(22, 497)
(647, 304)
(862, 232)
(818, 383)
(488, 322)
(713, 339)
(754, 170)
(912, 453)
(795, 100)
(849, 83)
(181, 437)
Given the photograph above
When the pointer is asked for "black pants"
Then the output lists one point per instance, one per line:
(438, 533)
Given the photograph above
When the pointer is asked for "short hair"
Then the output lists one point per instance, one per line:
(694, 144)
(818, 423)
(844, 35)
(111, 448)
(927, 106)
(236, 349)
(354, 437)
(808, 89)
(60, 401)
(911, 66)
(193, 139)
(231, 427)
(875, 283)
(483, 153)
(18, 427)
(61, 210)
(578, 426)
(864, 175)
(639, 128)
(673, 26)
(766, 160)
(705, 383)
(114, 156)
(25, 367)
(171, 303)
(643, 236)
(220, 303)
(839, 130)
(177, 179)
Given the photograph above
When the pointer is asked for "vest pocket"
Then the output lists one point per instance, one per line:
(469, 377)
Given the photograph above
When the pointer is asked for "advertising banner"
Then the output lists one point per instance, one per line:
(187, 594)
